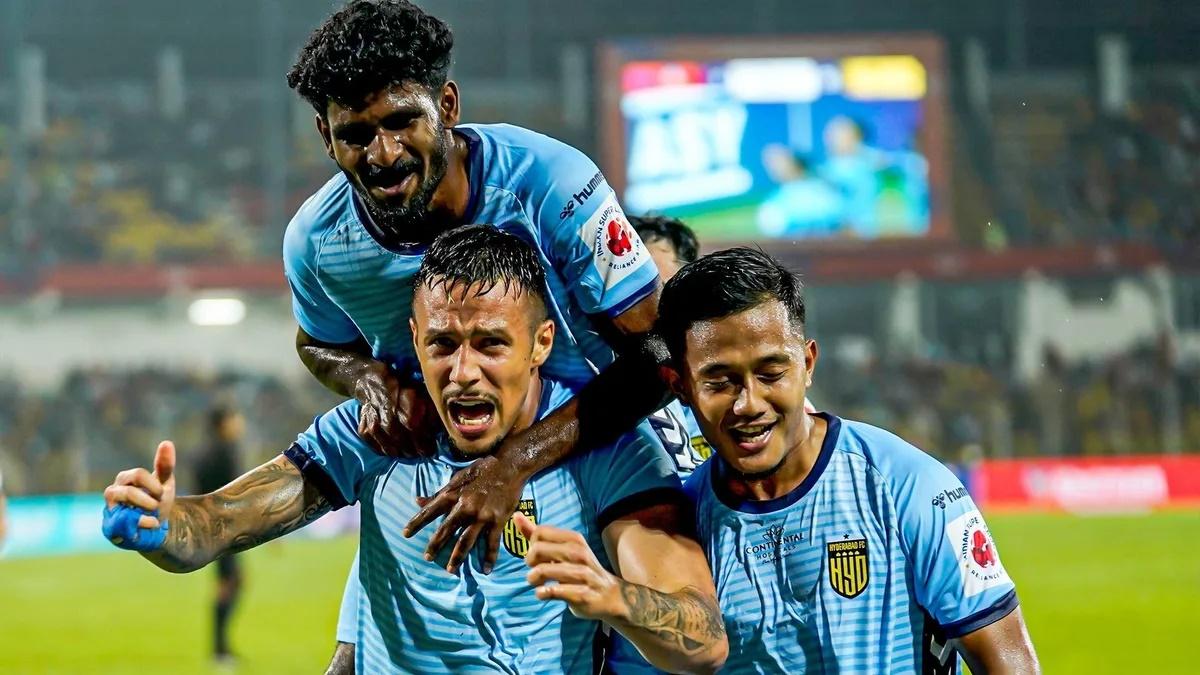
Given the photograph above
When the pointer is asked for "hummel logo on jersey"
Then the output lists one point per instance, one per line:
(582, 196)
(948, 497)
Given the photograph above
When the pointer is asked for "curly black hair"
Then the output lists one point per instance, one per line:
(367, 46)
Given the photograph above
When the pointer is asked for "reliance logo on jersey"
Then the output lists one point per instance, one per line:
(978, 562)
(616, 249)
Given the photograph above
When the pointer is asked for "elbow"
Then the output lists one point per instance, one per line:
(704, 662)
(714, 658)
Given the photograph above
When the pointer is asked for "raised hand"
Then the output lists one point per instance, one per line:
(397, 420)
(478, 500)
(564, 557)
(139, 503)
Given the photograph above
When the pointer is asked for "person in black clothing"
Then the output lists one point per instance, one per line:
(219, 465)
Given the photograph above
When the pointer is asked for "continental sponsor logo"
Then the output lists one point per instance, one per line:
(776, 542)
(849, 568)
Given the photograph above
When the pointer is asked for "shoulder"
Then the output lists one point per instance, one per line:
(521, 158)
(318, 215)
(906, 470)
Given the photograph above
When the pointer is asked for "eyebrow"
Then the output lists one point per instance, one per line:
(404, 111)
(499, 332)
(776, 359)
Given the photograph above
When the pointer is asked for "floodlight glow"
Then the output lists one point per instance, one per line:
(216, 311)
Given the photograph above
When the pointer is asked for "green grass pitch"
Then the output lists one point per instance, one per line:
(1114, 594)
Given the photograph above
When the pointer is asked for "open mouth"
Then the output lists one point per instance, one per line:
(752, 437)
(471, 417)
(395, 186)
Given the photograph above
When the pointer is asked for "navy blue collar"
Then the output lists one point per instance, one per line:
(475, 185)
(720, 470)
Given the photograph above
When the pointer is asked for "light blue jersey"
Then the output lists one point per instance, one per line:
(868, 566)
(681, 437)
(412, 615)
(345, 283)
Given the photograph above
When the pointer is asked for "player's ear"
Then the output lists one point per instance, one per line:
(412, 328)
(811, 352)
(323, 129)
(675, 381)
(448, 105)
(543, 342)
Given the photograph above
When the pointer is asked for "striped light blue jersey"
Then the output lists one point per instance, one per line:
(413, 616)
(345, 283)
(681, 436)
(868, 566)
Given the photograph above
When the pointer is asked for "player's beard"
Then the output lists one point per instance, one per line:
(411, 221)
(460, 454)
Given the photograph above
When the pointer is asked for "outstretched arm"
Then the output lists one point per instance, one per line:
(263, 504)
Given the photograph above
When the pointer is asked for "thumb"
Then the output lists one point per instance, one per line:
(525, 525)
(164, 463)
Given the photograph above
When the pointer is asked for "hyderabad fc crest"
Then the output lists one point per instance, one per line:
(848, 569)
(514, 541)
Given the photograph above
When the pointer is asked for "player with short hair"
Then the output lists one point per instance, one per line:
(670, 242)
(860, 552)
(481, 333)
(376, 73)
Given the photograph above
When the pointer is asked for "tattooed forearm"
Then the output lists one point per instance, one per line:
(685, 621)
(264, 504)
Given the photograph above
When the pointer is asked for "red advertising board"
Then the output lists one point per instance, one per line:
(1089, 484)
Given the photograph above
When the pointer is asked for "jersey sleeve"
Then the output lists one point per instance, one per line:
(315, 312)
(333, 456)
(586, 237)
(958, 575)
(628, 476)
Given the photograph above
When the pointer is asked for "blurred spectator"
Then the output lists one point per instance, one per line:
(104, 420)
(219, 465)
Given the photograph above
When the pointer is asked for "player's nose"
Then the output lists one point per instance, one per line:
(464, 369)
(749, 401)
(385, 150)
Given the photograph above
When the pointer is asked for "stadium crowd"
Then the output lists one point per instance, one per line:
(99, 420)
(71, 439)
(118, 182)
(1065, 172)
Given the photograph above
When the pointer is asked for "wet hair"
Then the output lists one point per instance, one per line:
(674, 232)
(482, 257)
(721, 284)
(367, 46)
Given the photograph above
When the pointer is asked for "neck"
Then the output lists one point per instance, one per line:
(797, 464)
(453, 194)
(529, 410)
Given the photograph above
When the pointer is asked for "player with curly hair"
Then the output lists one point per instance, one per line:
(377, 75)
